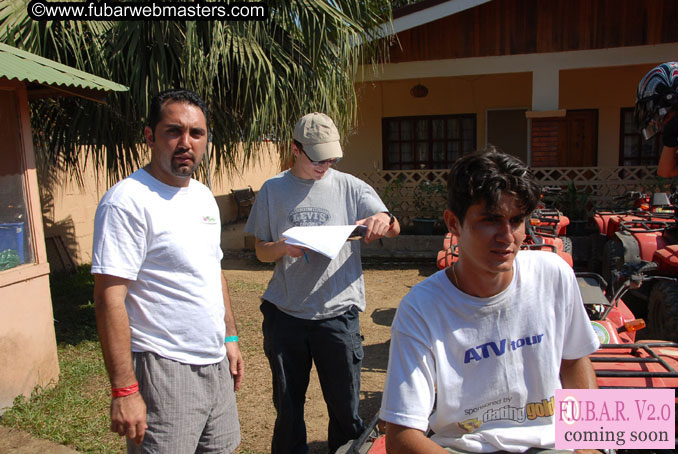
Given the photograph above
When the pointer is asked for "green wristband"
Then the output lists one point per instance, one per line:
(228, 339)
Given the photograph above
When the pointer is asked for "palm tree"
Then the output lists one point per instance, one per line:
(258, 77)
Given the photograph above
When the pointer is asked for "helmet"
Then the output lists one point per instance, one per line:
(657, 94)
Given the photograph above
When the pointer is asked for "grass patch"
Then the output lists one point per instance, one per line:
(243, 286)
(75, 412)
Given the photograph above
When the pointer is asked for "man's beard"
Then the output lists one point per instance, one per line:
(184, 170)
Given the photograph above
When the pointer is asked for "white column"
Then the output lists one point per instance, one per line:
(545, 81)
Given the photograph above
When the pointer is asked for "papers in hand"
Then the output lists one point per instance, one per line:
(324, 239)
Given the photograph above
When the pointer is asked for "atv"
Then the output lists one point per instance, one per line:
(649, 236)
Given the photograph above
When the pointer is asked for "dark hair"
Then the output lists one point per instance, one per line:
(178, 95)
(298, 144)
(483, 176)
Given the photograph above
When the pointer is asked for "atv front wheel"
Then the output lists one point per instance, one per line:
(596, 252)
(663, 312)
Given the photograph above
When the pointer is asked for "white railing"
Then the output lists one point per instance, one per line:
(600, 184)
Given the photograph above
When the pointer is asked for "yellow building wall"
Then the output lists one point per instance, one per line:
(69, 207)
(608, 90)
(446, 96)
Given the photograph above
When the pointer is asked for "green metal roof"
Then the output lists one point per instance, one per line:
(44, 77)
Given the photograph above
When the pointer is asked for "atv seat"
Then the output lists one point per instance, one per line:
(590, 290)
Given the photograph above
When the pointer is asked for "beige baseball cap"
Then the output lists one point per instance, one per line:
(318, 135)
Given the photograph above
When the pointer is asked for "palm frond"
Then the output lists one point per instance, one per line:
(258, 77)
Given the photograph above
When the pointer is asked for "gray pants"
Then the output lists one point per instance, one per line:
(190, 409)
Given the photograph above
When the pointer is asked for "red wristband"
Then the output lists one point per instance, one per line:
(126, 391)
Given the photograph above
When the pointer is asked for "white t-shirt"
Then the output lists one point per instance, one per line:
(166, 241)
(494, 361)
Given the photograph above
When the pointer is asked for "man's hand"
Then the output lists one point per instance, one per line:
(293, 251)
(128, 417)
(272, 251)
(236, 362)
(378, 226)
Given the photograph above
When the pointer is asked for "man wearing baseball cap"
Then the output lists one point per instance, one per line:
(312, 303)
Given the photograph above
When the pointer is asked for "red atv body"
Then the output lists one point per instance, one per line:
(639, 207)
(649, 236)
(623, 361)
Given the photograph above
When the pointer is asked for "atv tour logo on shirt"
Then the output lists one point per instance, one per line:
(309, 216)
(493, 348)
(208, 220)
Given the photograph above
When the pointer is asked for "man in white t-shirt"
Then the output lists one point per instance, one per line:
(164, 317)
(487, 341)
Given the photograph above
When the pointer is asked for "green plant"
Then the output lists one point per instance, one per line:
(574, 203)
(429, 199)
(392, 196)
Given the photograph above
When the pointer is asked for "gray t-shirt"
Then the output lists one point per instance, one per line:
(322, 288)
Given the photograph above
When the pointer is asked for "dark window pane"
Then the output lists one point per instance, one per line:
(422, 151)
(405, 130)
(393, 154)
(648, 149)
(422, 130)
(452, 151)
(453, 129)
(406, 152)
(393, 130)
(438, 151)
(438, 128)
(630, 147)
(468, 124)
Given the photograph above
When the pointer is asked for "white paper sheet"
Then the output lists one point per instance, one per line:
(324, 239)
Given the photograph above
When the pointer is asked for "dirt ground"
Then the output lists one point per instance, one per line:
(247, 278)
(385, 286)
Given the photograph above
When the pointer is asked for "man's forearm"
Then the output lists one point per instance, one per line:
(578, 374)
(229, 317)
(114, 330)
(269, 251)
(405, 440)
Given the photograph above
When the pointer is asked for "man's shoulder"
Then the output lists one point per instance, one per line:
(535, 261)
(426, 291)
(275, 181)
(126, 189)
(347, 177)
(541, 258)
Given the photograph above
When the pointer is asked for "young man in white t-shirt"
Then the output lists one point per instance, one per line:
(489, 339)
